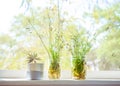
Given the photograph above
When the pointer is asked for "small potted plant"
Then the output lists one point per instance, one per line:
(80, 45)
(35, 69)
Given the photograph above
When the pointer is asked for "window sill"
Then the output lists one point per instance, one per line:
(60, 82)
(13, 74)
(93, 78)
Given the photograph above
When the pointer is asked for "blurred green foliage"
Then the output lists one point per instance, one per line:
(23, 38)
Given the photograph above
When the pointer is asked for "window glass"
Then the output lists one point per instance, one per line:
(21, 19)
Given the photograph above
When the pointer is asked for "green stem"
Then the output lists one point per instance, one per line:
(50, 29)
(59, 26)
(40, 38)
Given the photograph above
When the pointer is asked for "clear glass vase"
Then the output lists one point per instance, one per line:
(78, 69)
(54, 70)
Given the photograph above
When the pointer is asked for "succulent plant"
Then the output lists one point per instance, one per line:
(32, 57)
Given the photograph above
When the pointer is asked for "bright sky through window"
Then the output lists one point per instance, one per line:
(10, 8)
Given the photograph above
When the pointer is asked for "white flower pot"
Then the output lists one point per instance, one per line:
(35, 71)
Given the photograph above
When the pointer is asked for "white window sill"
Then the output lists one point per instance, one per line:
(93, 78)
(60, 83)
(13, 74)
